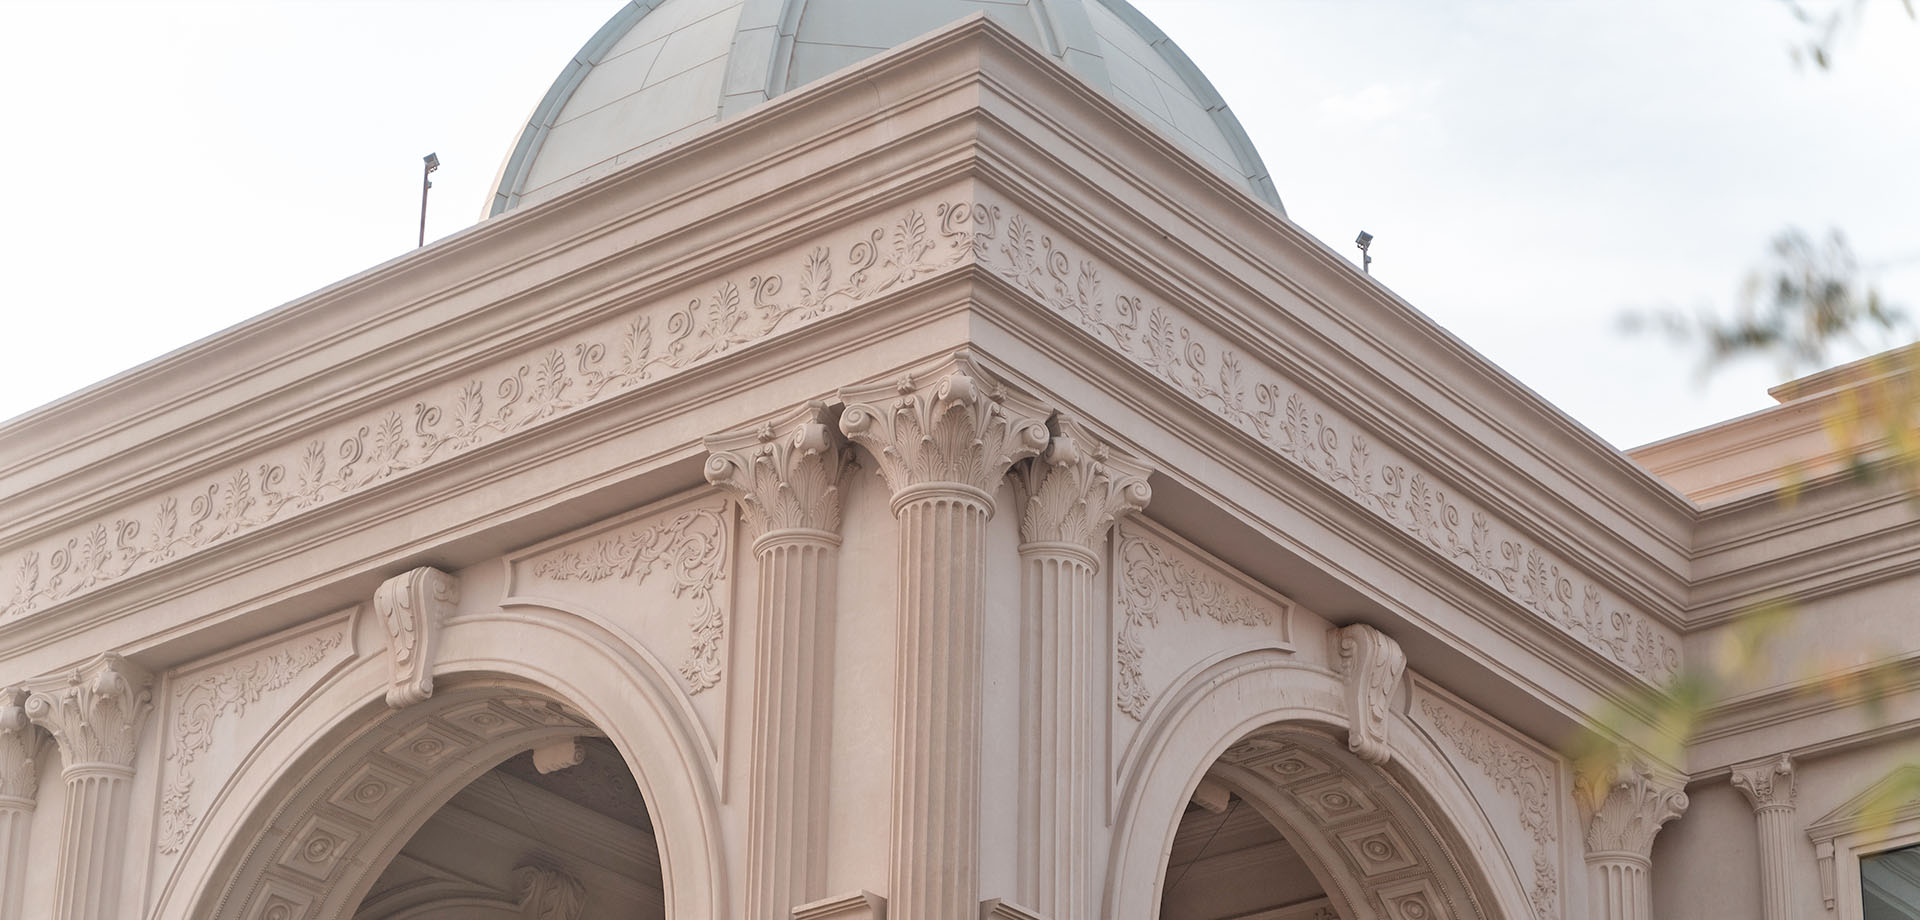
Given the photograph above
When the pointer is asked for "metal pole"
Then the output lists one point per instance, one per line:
(432, 162)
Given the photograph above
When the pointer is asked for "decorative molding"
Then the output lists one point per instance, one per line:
(1519, 773)
(198, 705)
(1151, 573)
(94, 711)
(1321, 442)
(550, 894)
(998, 909)
(1370, 663)
(1767, 783)
(861, 905)
(692, 547)
(431, 426)
(1769, 787)
(1626, 805)
(19, 748)
(788, 474)
(1074, 491)
(1889, 809)
(964, 429)
(412, 606)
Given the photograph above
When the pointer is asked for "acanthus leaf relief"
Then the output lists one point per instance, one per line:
(1149, 574)
(692, 549)
(1519, 773)
(544, 384)
(1259, 402)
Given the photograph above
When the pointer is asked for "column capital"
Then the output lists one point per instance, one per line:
(94, 712)
(786, 472)
(1074, 490)
(1625, 804)
(1766, 783)
(19, 743)
(953, 426)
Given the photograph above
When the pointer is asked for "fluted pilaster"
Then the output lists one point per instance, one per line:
(944, 449)
(1070, 497)
(19, 783)
(95, 713)
(788, 477)
(1625, 805)
(1769, 787)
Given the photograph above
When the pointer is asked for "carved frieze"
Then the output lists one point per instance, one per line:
(1626, 804)
(957, 426)
(787, 475)
(19, 746)
(1074, 491)
(1322, 442)
(95, 711)
(198, 704)
(412, 607)
(1525, 777)
(1370, 663)
(655, 341)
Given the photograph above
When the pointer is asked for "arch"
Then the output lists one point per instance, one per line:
(1394, 841)
(320, 806)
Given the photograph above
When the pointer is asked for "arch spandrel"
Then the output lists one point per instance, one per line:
(313, 814)
(1404, 840)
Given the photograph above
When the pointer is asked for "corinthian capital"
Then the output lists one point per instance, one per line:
(1766, 783)
(787, 473)
(1371, 663)
(1075, 490)
(95, 712)
(412, 607)
(954, 427)
(19, 742)
(1625, 805)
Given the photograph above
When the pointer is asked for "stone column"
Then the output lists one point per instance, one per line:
(1070, 497)
(1625, 806)
(19, 782)
(787, 476)
(1769, 788)
(944, 448)
(95, 713)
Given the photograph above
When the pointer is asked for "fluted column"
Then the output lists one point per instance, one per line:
(1769, 788)
(1625, 805)
(19, 782)
(95, 713)
(943, 449)
(787, 476)
(1070, 497)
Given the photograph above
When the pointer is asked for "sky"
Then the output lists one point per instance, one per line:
(1530, 169)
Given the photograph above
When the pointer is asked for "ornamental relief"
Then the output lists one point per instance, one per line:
(653, 342)
(1320, 441)
(198, 746)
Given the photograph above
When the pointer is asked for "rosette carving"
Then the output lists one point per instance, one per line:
(787, 474)
(1371, 664)
(964, 429)
(19, 743)
(1074, 491)
(1626, 805)
(412, 607)
(95, 712)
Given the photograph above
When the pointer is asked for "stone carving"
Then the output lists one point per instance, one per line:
(1516, 772)
(199, 705)
(1371, 664)
(19, 745)
(1891, 805)
(787, 475)
(1149, 574)
(94, 712)
(552, 758)
(691, 548)
(1074, 491)
(1625, 805)
(965, 429)
(412, 606)
(550, 894)
(1769, 788)
(541, 385)
(1768, 783)
(1321, 442)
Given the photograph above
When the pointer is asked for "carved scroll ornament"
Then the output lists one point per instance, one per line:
(1074, 491)
(412, 606)
(788, 475)
(1626, 804)
(963, 429)
(95, 712)
(1370, 663)
(550, 894)
(19, 745)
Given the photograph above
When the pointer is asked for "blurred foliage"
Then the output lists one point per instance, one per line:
(1827, 22)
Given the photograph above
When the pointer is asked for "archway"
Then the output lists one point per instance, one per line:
(324, 805)
(1395, 842)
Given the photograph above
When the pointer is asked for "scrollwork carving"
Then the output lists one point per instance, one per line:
(788, 475)
(1370, 663)
(1626, 805)
(1074, 491)
(94, 712)
(963, 429)
(550, 894)
(1150, 575)
(1517, 772)
(412, 606)
(1767, 783)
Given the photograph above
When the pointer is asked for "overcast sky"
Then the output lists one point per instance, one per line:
(1530, 168)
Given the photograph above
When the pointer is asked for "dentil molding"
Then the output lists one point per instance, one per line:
(412, 606)
(787, 474)
(1370, 664)
(94, 711)
(1074, 491)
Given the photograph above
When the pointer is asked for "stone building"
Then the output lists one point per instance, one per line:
(885, 459)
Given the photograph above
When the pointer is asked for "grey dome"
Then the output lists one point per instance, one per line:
(661, 70)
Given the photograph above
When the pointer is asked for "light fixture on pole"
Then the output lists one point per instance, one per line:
(426, 182)
(1364, 240)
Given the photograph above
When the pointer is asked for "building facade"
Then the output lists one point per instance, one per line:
(898, 460)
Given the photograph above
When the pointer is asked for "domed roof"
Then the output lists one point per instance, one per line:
(662, 70)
